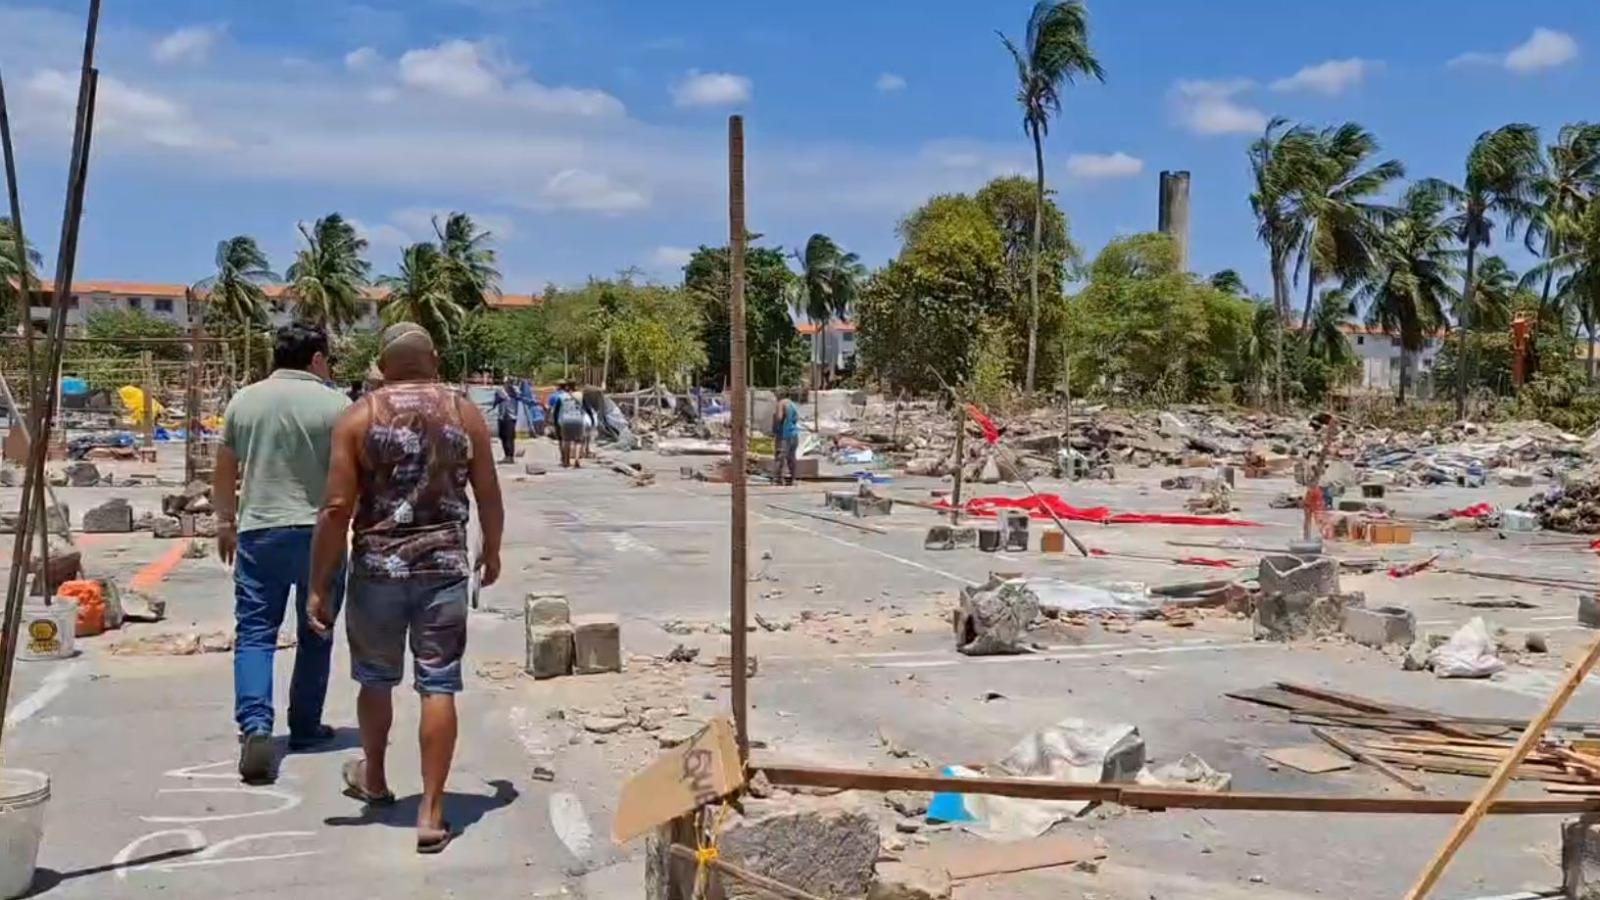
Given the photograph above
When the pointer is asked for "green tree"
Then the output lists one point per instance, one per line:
(1580, 290)
(1499, 181)
(1055, 52)
(1262, 346)
(505, 342)
(656, 333)
(770, 337)
(1278, 160)
(1412, 285)
(1228, 281)
(235, 297)
(827, 288)
(9, 276)
(1491, 302)
(329, 272)
(1331, 197)
(422, 293)
(1325, 339)
(1567, 179)
(468, 260)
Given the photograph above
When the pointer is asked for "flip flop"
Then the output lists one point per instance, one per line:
(354, 785)
(435, 843)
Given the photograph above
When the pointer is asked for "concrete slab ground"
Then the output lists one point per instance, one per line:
(141, 749)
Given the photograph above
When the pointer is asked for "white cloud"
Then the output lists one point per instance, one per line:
(413, 224)
(190, 45)
(588, 191)
(463, 70)
(1097, 166)
(1212, 107)
(362, 58)
(889, 83)
(382, 236)
(1546, 48)
(711, 89)
(665, 257)
(124, 110)
(1330, 78)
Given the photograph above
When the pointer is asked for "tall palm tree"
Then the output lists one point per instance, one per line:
(422, 293)
(1325, 338)
(235, 293)
(1412, 284)
(826, 289)
(1494, 298)
(1332, 200)
(1568, 176)
(1055, 51)
(1580, 290)
(1277, 162)
(468, 260)
(1501, 169)
(329, 272)
(10, 278)
(1264, 346)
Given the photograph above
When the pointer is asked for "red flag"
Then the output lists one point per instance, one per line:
(991, 434)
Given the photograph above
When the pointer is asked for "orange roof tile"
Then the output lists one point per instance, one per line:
(144, 288)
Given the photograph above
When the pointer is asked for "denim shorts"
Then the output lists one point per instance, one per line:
(380, 612)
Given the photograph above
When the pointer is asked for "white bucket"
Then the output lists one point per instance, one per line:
(23, 796)
(48, 631)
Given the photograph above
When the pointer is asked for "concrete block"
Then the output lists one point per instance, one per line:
(597, 645)
(989, 540)
(1580, 857)
(115, 516)
(1288, 617)
(550, 650)
(898, 881)
(823, 846)
(844, 501)
(994, 618)
(964, 536)
(83, 474)
(1014, 530)
(1589, 610)
(56, 517)
(1284, 574)
(939, 537)
(1379, 626)
(205, 526)
(542, 609)
(874, 506)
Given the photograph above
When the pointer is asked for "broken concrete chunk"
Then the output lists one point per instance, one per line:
(911, 804)
(1589, 610)
(1416, 658)
(1284, 574)
(115, 516)
(1289, 617)
(82, 474)
(166, 527)
(205, 526)
(824, 846)
(550, 651)
(898, 881)
(1379, 626)
(1580, 857)
(993, 618)
(542, 609)
(57, 516)
(597, 645)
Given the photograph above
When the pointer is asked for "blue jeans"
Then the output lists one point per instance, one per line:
(269, 562)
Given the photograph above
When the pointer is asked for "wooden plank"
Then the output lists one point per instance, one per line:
(966, 861)
(761, 883)
(1503, 773)
(1140, 797)
(1311, 760)
(1384, 768)
(859, 526)
(1363, 704)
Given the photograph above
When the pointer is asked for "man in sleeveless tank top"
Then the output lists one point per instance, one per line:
(403, 458)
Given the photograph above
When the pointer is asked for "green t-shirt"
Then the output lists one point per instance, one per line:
(281, 429)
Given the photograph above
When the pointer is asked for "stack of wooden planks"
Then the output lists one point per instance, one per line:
(1566, 760)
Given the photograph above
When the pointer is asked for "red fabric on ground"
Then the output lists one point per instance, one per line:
(1206, 561)
(1038, 504)
(1476, 510)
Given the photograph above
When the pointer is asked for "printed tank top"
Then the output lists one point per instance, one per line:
(411, 519)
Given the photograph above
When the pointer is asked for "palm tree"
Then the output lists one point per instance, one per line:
(1494, 298)
(1264, 346)
(235, 293)
(422, 293)
(1228, 281)
(1412, 284)
(1501, 169)
(329, 273)
(827, 286)
(1338, 221)
(1056, 50)
(468, 260)
(1325, 338)
(1581, 288)
(1277, 160)
(10, 278)
(1568, 175)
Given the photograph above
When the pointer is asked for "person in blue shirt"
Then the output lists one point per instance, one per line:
(785, 440)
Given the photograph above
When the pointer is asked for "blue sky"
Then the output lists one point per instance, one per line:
(588, 134)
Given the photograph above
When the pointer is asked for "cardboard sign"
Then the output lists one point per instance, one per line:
(703, 770)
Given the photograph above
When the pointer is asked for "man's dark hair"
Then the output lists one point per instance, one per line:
(296, 344)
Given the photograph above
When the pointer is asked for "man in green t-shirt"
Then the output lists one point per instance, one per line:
(278, 434)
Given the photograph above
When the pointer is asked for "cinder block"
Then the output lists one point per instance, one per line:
(597, 644)
(550, 650)
(989, 540)
(939, 538)
(1379, 626)
(1053, 542)
(1589, 610)
(874, 506)
(542, 609)
(1580, 857)
(966, 536)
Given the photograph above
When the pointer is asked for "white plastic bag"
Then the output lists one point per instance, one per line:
(1468, 654)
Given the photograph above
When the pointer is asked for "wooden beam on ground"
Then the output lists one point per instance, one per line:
(761, 883)
(1140, 797)
(1360, 756)
(825, 518)
(1485, 800)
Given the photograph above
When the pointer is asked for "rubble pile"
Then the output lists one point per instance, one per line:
(1468, 454)
(1572, 505)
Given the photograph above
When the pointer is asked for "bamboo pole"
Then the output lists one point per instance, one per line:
(1502, 774)
(738, 555)
(961, 464)
(149, 411)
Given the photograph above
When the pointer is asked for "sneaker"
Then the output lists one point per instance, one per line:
(255, 759)
(300, 743)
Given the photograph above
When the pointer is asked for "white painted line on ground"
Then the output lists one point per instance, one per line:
(865, 549)
(571, 824)
(191, 836)
(528, 733)
(623, 542)
(904, 654)
(286, 800)
(1042, 657)
(55, 684)
(1550, 618)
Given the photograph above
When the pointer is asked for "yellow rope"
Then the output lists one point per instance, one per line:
(706, 853)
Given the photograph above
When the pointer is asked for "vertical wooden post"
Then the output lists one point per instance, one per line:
(741, 436)
(191, 397)
(1066, 426)
(961, 464)
(149, 400)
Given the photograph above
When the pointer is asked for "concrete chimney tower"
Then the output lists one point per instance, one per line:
(1173, 217)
